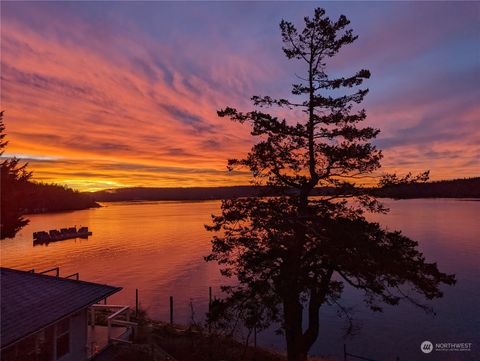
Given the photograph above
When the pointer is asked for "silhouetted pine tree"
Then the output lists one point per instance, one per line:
(285, 250)
(14, 178)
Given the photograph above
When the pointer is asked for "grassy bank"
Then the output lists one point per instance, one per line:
(159, 341)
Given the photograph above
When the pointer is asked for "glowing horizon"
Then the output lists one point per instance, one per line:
(107, 95)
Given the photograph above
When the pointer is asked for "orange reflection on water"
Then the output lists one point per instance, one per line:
(155, 247)
(158, 247)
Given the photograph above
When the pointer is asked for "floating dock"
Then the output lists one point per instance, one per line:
(55, 235)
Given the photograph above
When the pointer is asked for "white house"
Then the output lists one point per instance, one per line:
(45, 318)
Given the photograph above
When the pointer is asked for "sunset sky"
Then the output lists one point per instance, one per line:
(112, 94)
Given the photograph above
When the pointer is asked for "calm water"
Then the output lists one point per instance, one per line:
(158, 247)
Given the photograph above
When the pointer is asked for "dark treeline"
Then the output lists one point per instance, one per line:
(42, 197)
(455, 188)
(19, 195)
(175, 194)
(458, 188)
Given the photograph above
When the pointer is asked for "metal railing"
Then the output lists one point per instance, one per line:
(56, 269)
(75, 275)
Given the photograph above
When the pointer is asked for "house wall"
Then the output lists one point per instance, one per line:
(78, 338)
(43, 344)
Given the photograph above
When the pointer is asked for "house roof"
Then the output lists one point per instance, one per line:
(32, 301)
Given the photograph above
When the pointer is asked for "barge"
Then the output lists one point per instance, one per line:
(59, 235)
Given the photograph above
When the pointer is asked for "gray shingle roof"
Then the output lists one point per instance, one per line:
(31, 301)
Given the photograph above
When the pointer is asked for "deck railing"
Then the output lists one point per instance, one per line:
(114, 319)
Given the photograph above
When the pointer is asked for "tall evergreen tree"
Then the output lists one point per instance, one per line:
(295, 252)
(13, 180)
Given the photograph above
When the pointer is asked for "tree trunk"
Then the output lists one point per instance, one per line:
(293, 328)
(317, 297)
(299, 342)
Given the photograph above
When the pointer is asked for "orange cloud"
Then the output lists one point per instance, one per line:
(96, 104)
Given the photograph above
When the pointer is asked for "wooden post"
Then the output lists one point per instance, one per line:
(255, 336)
(109, 331)
(209, 297)
(171, 310)
(136, 302)
(54, 343)
(92, 315)
(344, 352)
(105, 301)
(209, 309)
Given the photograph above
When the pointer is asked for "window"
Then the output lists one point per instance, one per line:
(45, 344)
(11, 354)
(63, 337)
(38, 347)
(22, 351)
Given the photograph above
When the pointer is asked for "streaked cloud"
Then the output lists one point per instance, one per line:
(121, 94)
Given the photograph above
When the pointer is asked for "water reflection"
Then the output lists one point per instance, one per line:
(158, 247)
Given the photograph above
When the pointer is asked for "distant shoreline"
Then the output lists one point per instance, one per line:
(29, 212)
(459, 188)
(147, 201)
(466, 189)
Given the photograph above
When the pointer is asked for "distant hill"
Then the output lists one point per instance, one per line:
(458, 188)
